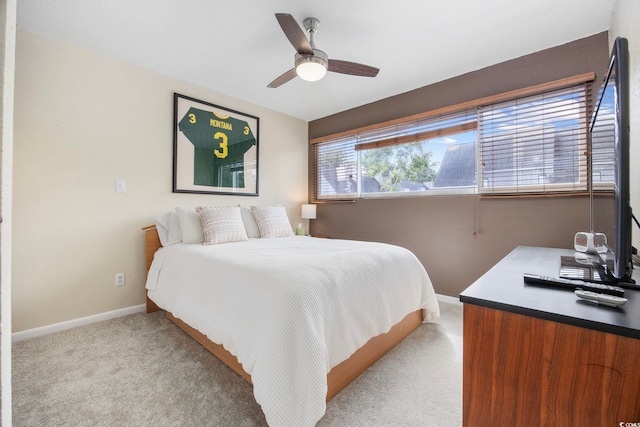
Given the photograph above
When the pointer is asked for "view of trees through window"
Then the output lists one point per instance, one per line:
(446, 162)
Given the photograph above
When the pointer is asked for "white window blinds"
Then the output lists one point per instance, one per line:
(528, 141)
(602, 146)
(335, 169)
(535, 144)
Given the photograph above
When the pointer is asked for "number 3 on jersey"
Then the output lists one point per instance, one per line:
(223, 140)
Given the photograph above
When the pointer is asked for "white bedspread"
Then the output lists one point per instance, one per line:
(290, 309)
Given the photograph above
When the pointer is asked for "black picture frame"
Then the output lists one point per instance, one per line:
(215, 149)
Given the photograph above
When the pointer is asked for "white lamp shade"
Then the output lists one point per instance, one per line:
(311, 71)
(308, 211)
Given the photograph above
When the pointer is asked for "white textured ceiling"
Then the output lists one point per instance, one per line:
(237, 47)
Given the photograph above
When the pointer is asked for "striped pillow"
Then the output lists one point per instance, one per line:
(222, 224)
(272, 221)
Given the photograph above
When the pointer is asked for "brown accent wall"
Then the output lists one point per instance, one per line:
(458, 238)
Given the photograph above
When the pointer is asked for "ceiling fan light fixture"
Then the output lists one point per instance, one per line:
(312, 67)
(311, 71)
(312, 64)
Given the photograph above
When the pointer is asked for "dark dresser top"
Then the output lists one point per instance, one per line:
(503, 288)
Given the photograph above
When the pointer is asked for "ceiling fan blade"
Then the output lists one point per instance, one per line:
(353, 68)
(294, 33)
(279, 81)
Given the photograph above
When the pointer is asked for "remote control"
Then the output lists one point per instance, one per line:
(601, 299)
(573, 284)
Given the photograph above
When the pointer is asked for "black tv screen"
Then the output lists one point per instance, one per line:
(610, 189)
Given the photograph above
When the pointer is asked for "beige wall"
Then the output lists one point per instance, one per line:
(82, 121)
(625, 24)
(440, 229)
(7, 66)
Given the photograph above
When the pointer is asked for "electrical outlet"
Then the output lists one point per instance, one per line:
(120, 279)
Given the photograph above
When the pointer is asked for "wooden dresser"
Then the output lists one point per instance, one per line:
(537, 356)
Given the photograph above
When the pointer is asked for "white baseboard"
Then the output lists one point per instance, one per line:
(57, 327)
(448, 299)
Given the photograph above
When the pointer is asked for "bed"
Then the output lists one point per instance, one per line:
(297, 317)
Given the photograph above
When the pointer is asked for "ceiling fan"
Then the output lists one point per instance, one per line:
(312, 64)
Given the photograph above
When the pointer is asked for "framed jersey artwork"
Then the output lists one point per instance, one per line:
(215, 149)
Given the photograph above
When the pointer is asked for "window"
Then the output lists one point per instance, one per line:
(535, 142)
(336, 170)
(425, 155)
(602, 150)
(411, 157)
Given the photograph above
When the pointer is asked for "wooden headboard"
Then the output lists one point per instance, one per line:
(152, 244)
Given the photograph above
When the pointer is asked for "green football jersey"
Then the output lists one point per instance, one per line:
(220, 143)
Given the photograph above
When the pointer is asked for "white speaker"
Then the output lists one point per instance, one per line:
(591, 243)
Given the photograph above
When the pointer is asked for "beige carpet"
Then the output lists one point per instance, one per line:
(141, 370)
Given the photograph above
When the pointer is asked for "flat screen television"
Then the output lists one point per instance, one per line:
(610, 211)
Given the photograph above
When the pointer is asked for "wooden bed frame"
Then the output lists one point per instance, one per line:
(338, 378)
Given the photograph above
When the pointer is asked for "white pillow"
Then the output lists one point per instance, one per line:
(168, 228)
(250, 224)
(222, 224)
(190, 224)
(163, 232)
(272, 221)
